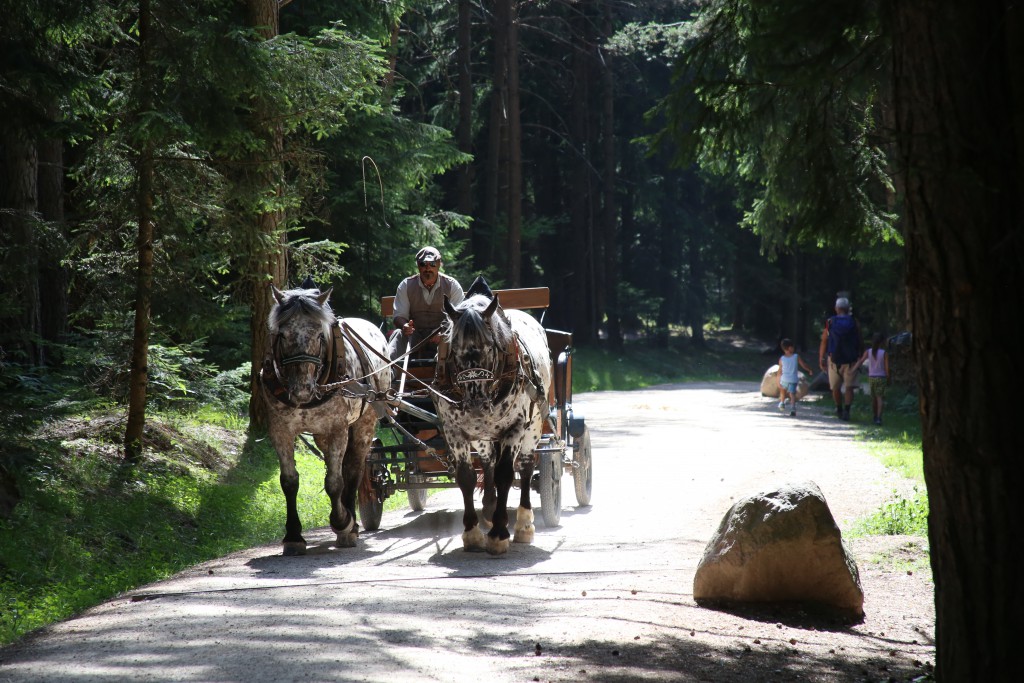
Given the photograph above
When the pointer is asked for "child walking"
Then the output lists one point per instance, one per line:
(878, 373)
(789, 375)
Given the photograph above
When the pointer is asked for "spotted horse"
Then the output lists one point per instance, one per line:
(494, 401)
(317, 376)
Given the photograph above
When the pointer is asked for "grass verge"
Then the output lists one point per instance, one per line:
(897, 445)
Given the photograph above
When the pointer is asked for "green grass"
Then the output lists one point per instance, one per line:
(87, 529)
(897, 444)
(643, 365)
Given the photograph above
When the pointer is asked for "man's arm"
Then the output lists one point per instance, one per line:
(456, 295)
(401, 313)
(821, 347)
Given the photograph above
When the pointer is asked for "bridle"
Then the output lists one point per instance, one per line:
(321, 362)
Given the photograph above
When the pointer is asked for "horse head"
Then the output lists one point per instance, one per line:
(300, 326)
(479, 338)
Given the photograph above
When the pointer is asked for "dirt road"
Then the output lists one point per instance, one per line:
(604, 597)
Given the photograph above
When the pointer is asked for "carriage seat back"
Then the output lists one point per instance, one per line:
(527, 297)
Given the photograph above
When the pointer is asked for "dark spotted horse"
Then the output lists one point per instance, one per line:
(319, 376)
(495, 382)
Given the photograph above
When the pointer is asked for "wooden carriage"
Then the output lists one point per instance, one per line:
(411, 456)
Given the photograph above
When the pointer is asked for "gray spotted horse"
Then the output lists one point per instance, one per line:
(317, 376)
(497, 380)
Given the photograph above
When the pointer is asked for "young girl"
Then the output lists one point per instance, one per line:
(878, 374)
(789, 375)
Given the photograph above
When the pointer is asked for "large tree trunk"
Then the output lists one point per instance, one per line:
(609, 213)
(514, 257)
(19, 197)
(53, 275)
(958, 102)
(579, 195)
(138, 374)
(268, 259)
(464, 133)
(483, 244)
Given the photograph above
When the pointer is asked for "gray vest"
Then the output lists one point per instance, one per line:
(427, 316)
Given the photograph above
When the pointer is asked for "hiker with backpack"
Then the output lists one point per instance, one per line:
(841, 348)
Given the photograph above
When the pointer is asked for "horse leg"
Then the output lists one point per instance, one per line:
(360, 437)
(490, 497)
(497, 537)
(342, 523)
(293, 543)
(524, 514)
(465, 475)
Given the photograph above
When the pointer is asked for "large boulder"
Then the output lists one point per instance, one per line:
(770, 383)
(780, 545)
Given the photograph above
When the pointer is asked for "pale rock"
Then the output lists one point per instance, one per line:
(770, 383)
(780, 545)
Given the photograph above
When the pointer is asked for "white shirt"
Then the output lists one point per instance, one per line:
(455, 295)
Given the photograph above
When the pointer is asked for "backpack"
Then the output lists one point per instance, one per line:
(843, 340)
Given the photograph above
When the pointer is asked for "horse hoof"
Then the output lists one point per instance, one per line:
(524, 525)
(473, 540)
(293, 548)
(497, 546)
(524, 535)
(347, 540)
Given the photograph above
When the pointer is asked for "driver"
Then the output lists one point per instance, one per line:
(419, 304)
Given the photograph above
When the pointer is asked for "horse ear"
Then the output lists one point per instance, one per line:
(324, 297)
(491, 308)
(449, 309)
(278, 294)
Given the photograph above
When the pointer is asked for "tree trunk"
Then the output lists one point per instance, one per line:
(515, 153)
(697, 298)
(957, 91)
(268, 259)
(579, 198)
(464, 133)
(609, 214)
(53, 275)
(19, 196)
(138, 375)
(483, 244)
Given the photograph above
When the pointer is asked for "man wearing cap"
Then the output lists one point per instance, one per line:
(841, 347)
(419, 303)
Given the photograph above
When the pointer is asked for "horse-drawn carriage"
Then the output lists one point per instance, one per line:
(491, 408)
(416, 456)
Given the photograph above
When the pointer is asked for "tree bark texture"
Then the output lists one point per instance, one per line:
(268, 258)
(464, 133)
(957, 98)
(609, 214)
(138, 374)
(514, 256)
(580, 218)
(19, 197)
(53, 275)
(484, 245)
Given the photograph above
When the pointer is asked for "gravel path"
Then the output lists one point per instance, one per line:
(604, 597)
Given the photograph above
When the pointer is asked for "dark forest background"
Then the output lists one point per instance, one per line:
(177, 157)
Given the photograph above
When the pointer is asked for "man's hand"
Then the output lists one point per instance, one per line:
(408, 328)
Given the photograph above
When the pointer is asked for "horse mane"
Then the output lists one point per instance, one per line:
(470, 326)
(300, 302)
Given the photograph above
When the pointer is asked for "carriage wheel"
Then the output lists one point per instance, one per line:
(583, 471)
(549, 485)
(371, 509)
(417, 497)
